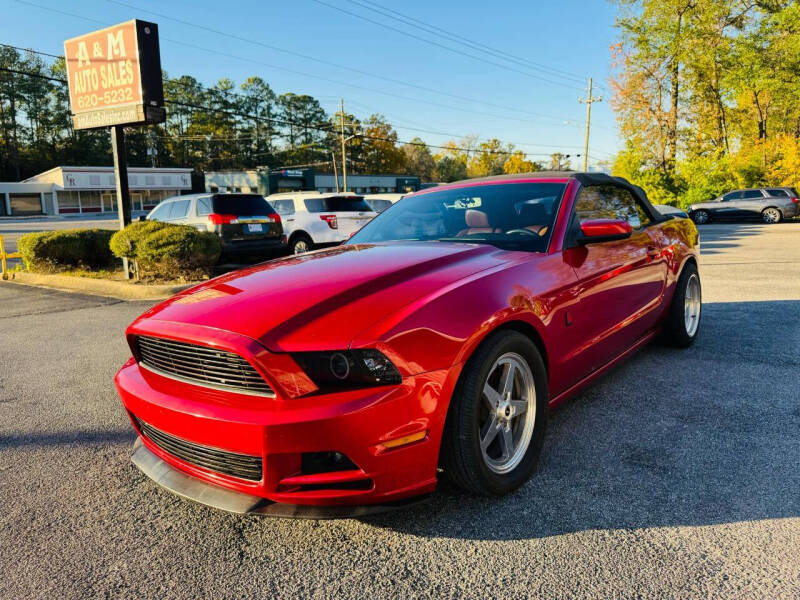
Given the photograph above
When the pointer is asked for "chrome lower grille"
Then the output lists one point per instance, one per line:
(201, 365)
(243, 466)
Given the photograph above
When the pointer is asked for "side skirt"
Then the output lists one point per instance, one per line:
(592, 377)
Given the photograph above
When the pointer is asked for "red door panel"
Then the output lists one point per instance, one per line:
(619, 289)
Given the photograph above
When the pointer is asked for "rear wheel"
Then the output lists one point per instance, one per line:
(683, 321)
(301, 243)
(701, 216)
(498, 416)
(771, 215)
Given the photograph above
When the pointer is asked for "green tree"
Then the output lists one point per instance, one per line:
(517, 163)
(418, 160)
(450, 168)
(380, 151)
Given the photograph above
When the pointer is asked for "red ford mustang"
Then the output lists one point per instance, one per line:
(439, 336)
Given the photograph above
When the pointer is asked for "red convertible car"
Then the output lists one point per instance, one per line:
(434, 342)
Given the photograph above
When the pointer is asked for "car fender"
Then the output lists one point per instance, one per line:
(450, 324)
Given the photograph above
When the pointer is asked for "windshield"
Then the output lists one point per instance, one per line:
(242, 205)
(507, 215)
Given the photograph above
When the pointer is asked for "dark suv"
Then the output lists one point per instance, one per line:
(771, 205)
(245, 223)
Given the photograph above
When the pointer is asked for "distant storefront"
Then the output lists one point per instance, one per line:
(265, 181)
(82, 190)
(26, 199)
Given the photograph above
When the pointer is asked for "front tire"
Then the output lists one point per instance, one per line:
(498, 416)
(771, 215)
(682, 324)
(701, 217)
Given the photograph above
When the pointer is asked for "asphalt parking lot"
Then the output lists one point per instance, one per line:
(676, 476)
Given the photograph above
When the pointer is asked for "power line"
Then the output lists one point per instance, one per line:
(217, 52)
(202, 89)
(30, 50)
(314, 59)
(300, 125)
(439, 45)
(375, 7)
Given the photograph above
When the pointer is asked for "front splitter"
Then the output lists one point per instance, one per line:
(201, 492)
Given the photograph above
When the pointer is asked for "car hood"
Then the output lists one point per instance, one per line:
(322, 300)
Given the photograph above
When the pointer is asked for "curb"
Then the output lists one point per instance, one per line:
(99, 287)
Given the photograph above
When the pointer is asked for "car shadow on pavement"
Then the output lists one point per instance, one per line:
(690, 437)
(717, 237)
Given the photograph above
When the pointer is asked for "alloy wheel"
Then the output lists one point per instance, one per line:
(508, 413)
(771, 215)
(692, 305)
(700, 217)
(300, 246)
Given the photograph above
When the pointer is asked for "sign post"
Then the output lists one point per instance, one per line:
(114, 77)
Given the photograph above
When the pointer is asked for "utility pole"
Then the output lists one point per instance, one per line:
(344, 154)
(335, 174)
(588, 101)
(121, 183)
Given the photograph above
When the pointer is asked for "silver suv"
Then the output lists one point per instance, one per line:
(245, 223)
(771, 205)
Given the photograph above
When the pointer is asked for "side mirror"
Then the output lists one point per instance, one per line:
(604, 230)
(142, 218)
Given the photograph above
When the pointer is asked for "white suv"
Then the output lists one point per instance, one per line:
(313, 219)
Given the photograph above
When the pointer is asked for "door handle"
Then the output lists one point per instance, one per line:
(289, 220)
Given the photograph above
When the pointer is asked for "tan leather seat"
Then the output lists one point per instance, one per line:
(534, 218)
(477, 221)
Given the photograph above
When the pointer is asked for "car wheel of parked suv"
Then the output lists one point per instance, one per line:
(771, 215)
(301, 243)
(700, 217)
(498, 416)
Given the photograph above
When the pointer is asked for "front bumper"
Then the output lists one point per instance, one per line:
(281, 431)
(220, 498)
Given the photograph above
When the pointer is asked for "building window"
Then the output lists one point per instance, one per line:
(94, 179)
(69, 202)
(149, 179)
(91, 201)
(213, 188)
(166, 180)
(109, 201)
(25, 204)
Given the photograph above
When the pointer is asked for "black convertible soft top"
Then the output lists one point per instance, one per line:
(584, 179)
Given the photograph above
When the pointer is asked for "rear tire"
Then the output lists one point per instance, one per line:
(300, 243)
(489, 446)
(771, 215)
(701, 217)
(682, 324)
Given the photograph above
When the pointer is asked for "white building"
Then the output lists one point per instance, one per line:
(91, 190)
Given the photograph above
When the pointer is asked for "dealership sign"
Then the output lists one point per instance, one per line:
(115, 76)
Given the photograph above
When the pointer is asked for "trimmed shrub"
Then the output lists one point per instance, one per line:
(124, 242)
(167, 251)
(68, 249)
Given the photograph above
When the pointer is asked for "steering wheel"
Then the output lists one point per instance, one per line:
(522, 231)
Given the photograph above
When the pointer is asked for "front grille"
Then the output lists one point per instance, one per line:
(243, 466)
(201, 365)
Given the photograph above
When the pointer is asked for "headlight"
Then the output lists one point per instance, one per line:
(348, 368)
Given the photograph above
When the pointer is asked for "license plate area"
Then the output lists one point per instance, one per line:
(254, 228)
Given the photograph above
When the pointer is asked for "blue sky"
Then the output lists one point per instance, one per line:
(461, 95)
